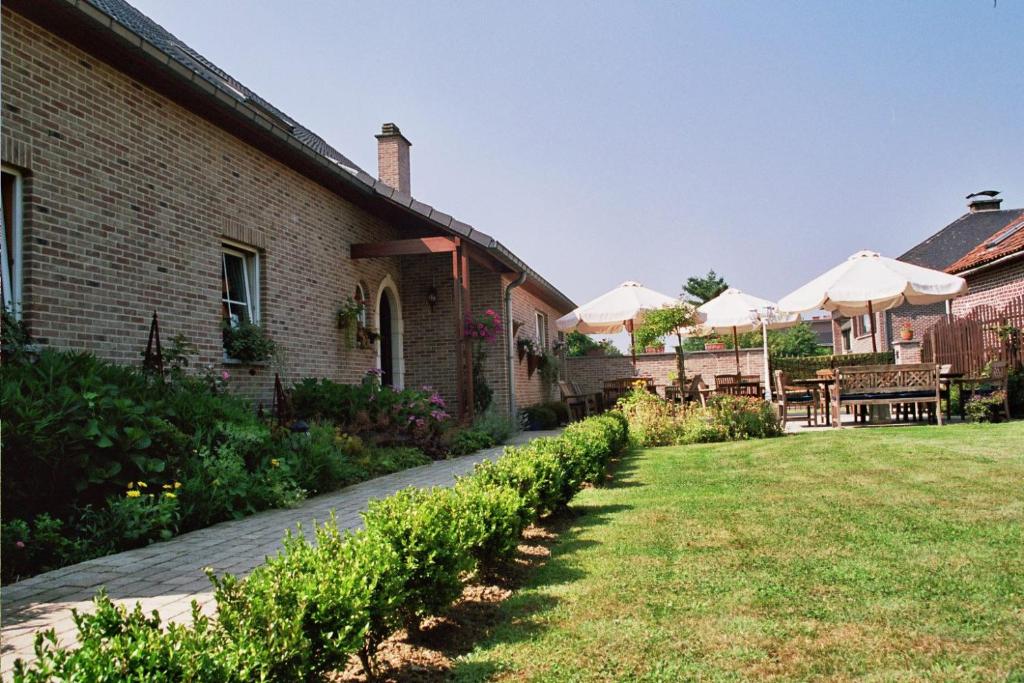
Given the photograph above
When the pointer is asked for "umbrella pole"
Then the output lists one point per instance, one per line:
(682, 363)
(871, 314)
(632, 344)
(736, 347)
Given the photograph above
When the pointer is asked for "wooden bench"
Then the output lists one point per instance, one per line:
(580, 404)
(867, 385)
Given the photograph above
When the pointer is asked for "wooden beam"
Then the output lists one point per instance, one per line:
(410, 247)
(467, 345)
(457, 315)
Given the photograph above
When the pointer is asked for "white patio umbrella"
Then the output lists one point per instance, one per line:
(867, 282)
(620, 309)
(736, 311)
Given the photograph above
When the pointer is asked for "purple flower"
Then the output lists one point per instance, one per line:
(19, 544)
(225, 375)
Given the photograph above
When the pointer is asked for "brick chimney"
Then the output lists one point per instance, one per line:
(986, 200)
(393, 158)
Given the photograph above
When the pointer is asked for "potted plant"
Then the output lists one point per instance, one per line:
(348, 317)
(247, 342)
(714, 346)
(906, 332)
(655, 348)
(525, 347)
(533, 360)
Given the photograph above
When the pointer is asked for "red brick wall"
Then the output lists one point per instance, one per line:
(921, 319)
(592, 371)
(994, 287)
(530, 390)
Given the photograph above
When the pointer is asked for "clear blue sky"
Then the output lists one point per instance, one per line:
(651, 141)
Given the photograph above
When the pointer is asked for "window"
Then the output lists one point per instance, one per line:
(542, 329)
(11, 246)
(360, 297)
(865, 325)
(240, 277)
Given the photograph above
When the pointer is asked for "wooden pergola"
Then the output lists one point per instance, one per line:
(462, 252)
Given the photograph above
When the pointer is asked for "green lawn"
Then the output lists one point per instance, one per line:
(879, 554)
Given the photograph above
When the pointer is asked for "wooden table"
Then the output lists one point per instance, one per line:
(823, 383)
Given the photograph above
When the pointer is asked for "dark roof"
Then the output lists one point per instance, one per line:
(953, 242)
(131, 18)
(1006, 241)
(144, 29)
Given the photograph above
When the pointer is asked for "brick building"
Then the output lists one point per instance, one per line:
(985, 246)
(139, 177)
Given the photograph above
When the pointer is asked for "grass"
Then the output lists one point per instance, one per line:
(882, 554)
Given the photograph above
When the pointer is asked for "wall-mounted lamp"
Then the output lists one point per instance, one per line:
(432, 297)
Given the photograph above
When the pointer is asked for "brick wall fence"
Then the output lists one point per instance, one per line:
(590, 372)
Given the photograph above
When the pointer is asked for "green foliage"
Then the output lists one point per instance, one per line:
(981, 408)
(248, 342)
(468, 441)
(806, 366)
(116, 644)
(663, 321)
(577, 344)
(311, 607)
(704, 289)
(498, 425)
(542, 416)
(14, 336)
(408, 417)
(548, 368)
(656, 422)
(136, 519)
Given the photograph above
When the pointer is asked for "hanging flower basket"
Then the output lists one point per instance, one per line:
(525, 347)
(532, 363)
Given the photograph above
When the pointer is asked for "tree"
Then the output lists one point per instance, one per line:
(799, 340)
(577, 344)
(704, 289)
(664, 321)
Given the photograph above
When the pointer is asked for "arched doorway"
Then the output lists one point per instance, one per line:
(388, 314)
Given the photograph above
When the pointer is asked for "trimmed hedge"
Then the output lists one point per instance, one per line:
(311, 607)
(800, 367)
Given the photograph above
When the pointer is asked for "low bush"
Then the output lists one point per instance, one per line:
(468, 441)
(315, 605)
(656, 422)
(541, 417)
(985, 408)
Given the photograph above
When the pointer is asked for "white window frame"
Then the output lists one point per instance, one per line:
(867, 325)
(541, 323)
(12, 280)
(250, 258)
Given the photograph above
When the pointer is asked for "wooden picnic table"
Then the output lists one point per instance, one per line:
(826, 379)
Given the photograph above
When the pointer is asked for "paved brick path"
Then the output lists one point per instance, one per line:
(168, 576)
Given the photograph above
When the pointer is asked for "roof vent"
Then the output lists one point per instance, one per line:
(986, 200)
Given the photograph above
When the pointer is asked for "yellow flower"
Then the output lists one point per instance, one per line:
(142, 484)
(177, 484)
(131, 485)
(133, 494)
(166, 487)
(274, 462)
(169, 495)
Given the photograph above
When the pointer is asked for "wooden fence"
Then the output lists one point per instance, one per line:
(970, 342)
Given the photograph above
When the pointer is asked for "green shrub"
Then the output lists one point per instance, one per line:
(541, 417)
(652, 420)
(489, 521)
(116, 644)
(418, 525)
(985, 408)
(496, 424)
(315, 604)
(745, 417)
(560, 409)
(387, 459)
(468, 441)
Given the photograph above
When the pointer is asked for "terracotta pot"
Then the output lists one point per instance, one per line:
(714, 346)
(906, 335)
(655, 349)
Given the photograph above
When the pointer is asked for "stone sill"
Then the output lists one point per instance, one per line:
(241, 363)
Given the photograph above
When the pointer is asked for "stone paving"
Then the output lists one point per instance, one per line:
(168, 576)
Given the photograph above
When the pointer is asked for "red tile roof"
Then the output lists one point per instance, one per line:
(1007, 240)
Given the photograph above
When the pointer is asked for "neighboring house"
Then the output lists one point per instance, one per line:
(821, 325)
(985, 246)
(139, 177)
